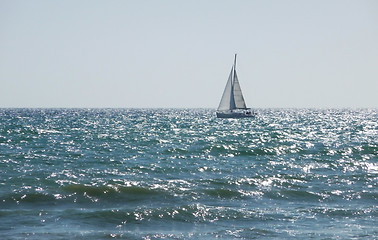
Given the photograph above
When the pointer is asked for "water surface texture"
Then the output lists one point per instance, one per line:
(183, 174)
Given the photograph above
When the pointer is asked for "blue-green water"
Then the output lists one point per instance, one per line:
(183, 174)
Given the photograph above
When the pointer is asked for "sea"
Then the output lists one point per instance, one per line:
(184, 174)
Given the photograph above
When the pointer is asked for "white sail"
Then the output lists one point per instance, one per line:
(227, 96)
(238, 95)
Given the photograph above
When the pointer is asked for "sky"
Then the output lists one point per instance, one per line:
(178, 54)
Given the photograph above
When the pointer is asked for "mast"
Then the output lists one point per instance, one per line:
(235, 63)
(232, 98)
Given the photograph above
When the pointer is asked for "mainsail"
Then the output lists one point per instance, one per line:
(232, 97)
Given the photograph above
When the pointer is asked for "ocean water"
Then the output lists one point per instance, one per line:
(183, 174)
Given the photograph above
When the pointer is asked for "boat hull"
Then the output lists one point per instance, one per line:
(231, 114)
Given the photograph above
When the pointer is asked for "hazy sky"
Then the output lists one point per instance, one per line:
(171, 53)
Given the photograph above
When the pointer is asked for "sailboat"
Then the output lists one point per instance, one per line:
(232, 104)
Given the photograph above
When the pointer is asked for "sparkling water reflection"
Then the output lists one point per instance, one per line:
(182, 173)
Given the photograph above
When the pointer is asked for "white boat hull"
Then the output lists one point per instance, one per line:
(235, 114)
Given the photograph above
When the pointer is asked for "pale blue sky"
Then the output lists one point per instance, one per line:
(172, 53)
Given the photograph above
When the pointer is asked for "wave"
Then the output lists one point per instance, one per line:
(105, 190)
(84, 194)
(28, 198)
(368, 211)
(183, 213)
(291, 187)
(115, 192)
(223, 193)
